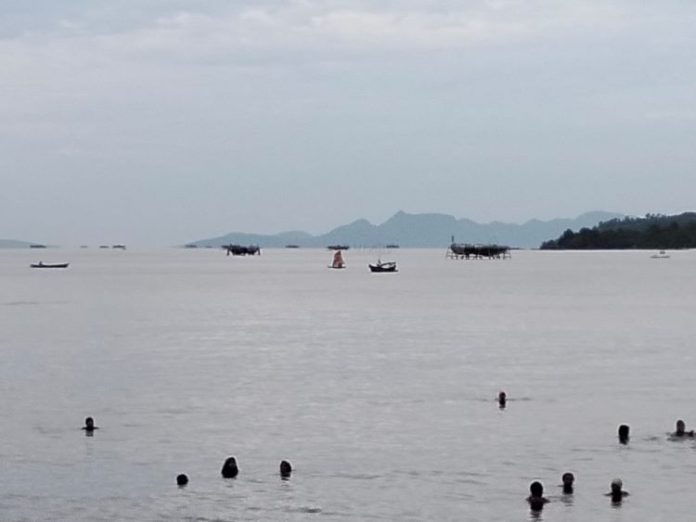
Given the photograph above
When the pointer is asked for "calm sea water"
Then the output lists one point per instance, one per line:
(379, 388)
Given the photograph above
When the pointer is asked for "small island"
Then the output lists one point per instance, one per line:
(654, 231)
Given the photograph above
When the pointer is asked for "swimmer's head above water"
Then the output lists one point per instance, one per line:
(229, 468)
(617, 493)
(623, 433)
(285, 469)
(568, 479)
(681, 430)
(536, 497)
(89, 424)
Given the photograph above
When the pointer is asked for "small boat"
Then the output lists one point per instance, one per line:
(338, 261)
(389, 266)
(338, 247)
(661, 255)
(41, 264)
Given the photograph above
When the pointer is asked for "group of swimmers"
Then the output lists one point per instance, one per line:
(678, 433)
(231, 470)
(229, 467)
(536, 497)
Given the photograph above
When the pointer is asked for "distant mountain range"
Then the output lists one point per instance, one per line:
(419, 231)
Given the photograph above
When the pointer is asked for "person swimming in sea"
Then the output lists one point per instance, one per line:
(285, 469)
(89, 426)
(502, 399)
(181, 480)
(229, 468)
(536, 498)
(624, 433)
(617, 493)
(568, 479)
(681, 430)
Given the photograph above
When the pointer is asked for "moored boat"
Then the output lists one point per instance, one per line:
(661, 255)
(41, 264)
(389, 266)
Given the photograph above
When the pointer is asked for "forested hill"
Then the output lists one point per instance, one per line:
(652, 231)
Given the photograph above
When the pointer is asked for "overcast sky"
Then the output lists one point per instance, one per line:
(158, 122)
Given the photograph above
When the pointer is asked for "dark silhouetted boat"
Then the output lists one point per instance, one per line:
(338, 247)
(41, 264)
(389, 266)
(661, 255)
(239, 250)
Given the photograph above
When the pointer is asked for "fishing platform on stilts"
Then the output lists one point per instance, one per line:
(468, 251)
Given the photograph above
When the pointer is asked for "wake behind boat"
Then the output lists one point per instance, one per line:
(41, 264)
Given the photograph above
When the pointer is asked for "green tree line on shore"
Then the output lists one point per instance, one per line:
(654, 231)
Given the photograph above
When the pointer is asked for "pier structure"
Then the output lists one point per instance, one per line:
(467, 251)
(239, 250)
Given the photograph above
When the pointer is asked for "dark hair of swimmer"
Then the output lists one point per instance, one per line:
(181, 480)
(285, 469)
(568, 479)
(89, 424)
(623, 433)
(229, 468)
(536, 489)
(502, 399)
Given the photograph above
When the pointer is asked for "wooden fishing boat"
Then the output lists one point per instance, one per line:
(389, 266)
(41, 264)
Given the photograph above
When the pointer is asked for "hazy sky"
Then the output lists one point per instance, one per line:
(153, 121)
